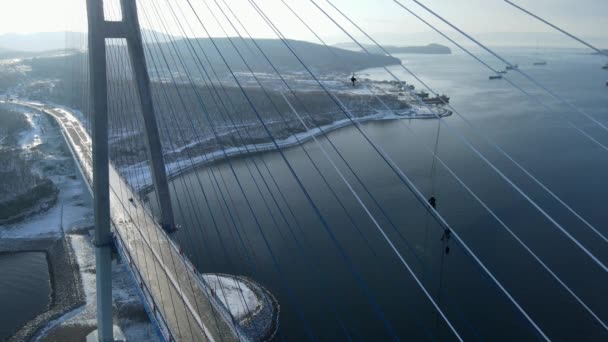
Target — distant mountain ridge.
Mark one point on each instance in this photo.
(37, 42)
(45, 41)
(14, 54)
(431, 49)
(11, 54)
(318, 57)
(162, 59)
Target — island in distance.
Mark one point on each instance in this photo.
(430, 49)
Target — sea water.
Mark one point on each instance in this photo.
(339, 278)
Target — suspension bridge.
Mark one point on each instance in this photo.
(192, 119)
(159, 267)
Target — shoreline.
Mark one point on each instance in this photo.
(176, 168)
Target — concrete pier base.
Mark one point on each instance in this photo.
(118, 335)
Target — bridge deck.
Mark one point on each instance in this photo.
(182, 304)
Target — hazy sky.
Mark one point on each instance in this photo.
(380, 17)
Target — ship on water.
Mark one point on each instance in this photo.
(423, 94)
(441, 99)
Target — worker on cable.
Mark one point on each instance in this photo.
(353, 79)
(433, 202)
(446, 239)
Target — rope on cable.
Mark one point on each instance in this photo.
(445, 244)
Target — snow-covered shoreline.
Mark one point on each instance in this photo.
(139, 175)
(140, 178)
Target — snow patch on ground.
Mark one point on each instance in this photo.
(73, 203)
(238, 298)
(31, 138)
(70, 211)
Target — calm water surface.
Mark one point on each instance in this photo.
(24, 289)
(341, 280)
